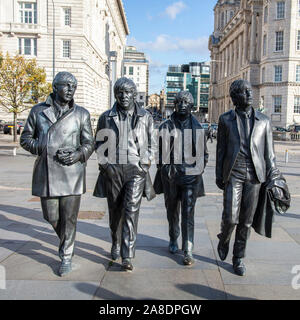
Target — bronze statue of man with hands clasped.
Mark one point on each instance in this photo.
(59, 133)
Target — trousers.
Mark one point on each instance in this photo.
(180, 196)
(124, 195)
(62, 213)
(240, 202)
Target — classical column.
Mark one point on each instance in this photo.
(253, 37)
(240, 51)
(245, 58)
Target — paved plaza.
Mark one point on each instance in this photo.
(28, 245)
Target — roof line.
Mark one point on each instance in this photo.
(123, 15)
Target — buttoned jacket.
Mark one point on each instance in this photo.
(229, 144)
(43, 135)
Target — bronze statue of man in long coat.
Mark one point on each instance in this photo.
(59, 133)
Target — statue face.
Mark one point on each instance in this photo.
(183, 106)
(65, 90)
(125, 98)
(243, 98)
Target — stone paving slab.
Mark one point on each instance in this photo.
(45, 267)
(261, 292)
(48, 290)
(161, 284)
(259, 272)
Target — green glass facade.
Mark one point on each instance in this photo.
(195, 78)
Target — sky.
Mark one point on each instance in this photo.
(169, 32)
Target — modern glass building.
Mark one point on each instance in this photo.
(193, 77)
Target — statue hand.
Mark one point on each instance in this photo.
(109, 172)
(220, 184)
(70, 158)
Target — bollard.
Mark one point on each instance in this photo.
(14, 151)
(286, 156)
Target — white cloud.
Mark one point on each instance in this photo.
(157, 67)
(166, 43)
(174, 9)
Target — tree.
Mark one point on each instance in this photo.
(22, 84)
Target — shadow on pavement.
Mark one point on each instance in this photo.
(209, 293)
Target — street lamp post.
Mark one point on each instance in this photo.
(53, 53)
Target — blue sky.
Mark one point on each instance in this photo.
(169, 32)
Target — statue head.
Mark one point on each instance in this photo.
(64, 86)
(241, 94)
(184, 103)
(125, 93)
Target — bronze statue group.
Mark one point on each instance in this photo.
(59, 133)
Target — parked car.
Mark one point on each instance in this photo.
(294, 128)
(9, 126)
(2, 122)
(281, 129)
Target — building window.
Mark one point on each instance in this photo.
(279, 41)
(298, 8)
(280, 10)
(263, 72)
(277, 73)
(67, 16)
(130, 71)
(266, 10)
(297, 104)
(298, 40)
(28, 12)
(66, 48)
(277, 104)
(298, 73)
(28, 46)
(264, 45)
(124, 70)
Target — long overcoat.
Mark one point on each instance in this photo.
(43, 135)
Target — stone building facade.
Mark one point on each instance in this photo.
(257, 40)
(136, 68)
(87, 33)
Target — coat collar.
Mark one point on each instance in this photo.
(257, 114)
(49, 112)
(140, 112)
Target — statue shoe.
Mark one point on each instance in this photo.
(238, 266)
(223, 249)
(115, 252)
(127, 265)
(188, 258)
(173, 246)
(65, 267)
